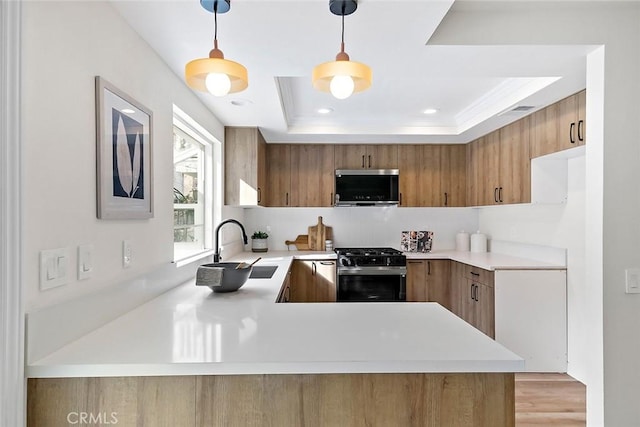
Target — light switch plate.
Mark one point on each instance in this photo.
(632, 282)
(85, 261)
(54, 268)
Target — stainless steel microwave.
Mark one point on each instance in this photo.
(367, 187)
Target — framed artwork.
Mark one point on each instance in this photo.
(123, 148)
(416, 241)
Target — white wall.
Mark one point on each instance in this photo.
(560, 226)
(612, 200)
(66, 44)
(363, 226)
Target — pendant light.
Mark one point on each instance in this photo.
(342, 77)
(215, 74)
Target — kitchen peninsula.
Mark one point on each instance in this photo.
(192, 357)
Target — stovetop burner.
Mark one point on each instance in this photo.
(358, 257)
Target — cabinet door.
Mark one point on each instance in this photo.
(582, 117)
(429, 176)
(408, 157)
(438, 282)
(515, 163)
(489, 173)
(453, 167)
(324, 281)
(245, 166)
(312, 175)
(544, 131)
(382, 157)
(417, 280)
(568, 122)
(350, 157)
(474, 178)
(484, 312)
(279, 178)
(458, 288)
(301, 286)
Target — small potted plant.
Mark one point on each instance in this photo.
(259, 242)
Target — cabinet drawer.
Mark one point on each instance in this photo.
(479, 275)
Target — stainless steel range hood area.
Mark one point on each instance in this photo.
(367, 187)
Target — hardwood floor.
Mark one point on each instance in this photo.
(549, 399)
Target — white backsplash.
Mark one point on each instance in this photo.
(363, 226)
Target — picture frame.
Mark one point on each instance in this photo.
(416, 241)
(124, 167)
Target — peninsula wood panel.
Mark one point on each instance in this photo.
(122, 401)
(278, 191)
(357, 400)
(312, 175)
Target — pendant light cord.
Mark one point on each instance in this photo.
(215, 22)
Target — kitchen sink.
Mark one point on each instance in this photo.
(263, 271)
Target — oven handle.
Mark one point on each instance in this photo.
(372, 271)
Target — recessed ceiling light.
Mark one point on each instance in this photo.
(128, 110)
(325, 110)
(430, 111)
(240, 102)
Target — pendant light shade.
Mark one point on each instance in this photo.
(342, 77)
(215, 74)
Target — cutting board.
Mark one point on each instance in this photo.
(318, 234)
(301, 242)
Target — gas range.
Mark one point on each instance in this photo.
(371, 275)
(370, 257)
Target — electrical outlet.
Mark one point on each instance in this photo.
(126, 253)
(53, 268)
(632, 282)
(85, 261)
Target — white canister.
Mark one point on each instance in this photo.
(462, 241)
(478, 242)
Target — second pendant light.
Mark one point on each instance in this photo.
(342, 77)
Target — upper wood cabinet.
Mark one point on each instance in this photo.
(559, 126)
(366, 157)
(312, 175)
(245, 160)
(432, 175)
(278, 189)
(499, 166)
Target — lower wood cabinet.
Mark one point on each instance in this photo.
(428, 281)
(285, 291)
(472, 296)
(313, 281)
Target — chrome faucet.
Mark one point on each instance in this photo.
(216, 255)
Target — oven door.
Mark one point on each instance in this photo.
(372, 284)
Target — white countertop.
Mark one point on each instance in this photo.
(487, 260)
(192, 331)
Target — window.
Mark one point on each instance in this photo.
(192, 187)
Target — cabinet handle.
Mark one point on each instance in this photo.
(400, 199)
(286, 197)
(314, 268)
(333, 201)
(414, 262)
(428, 268)
(369, 161)
(326, 262)
(476, 297)
(259, 195)
(495, 194)
(363, 161)
(580, 126)
(475, 274)
(571, 129)
(446, 198)
(472, 289)
(500, 195)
